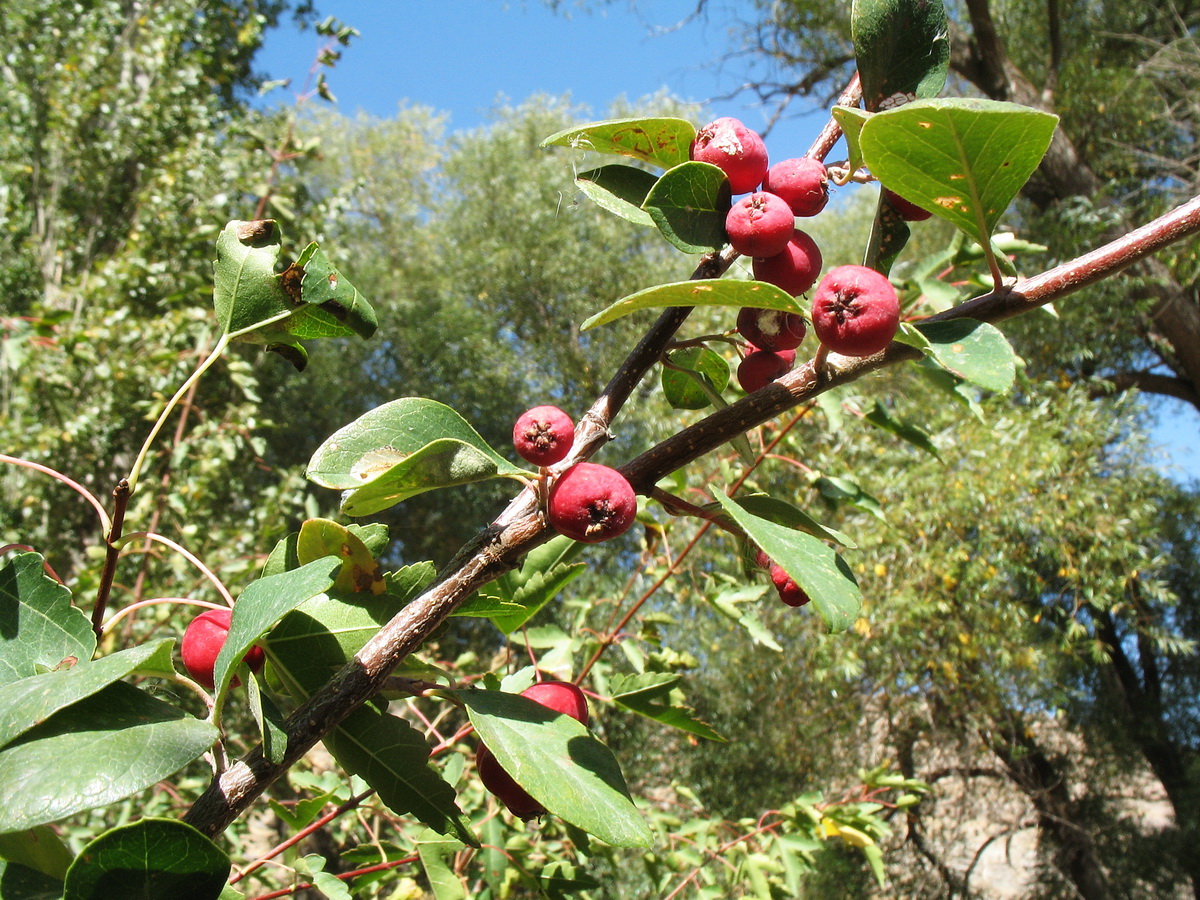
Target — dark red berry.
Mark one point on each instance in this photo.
(202, 643)
(762, 367)
(855, 311)
(543, 435)
(737, 150)
(771, 329)
(505, 788)
(908, 210)
(789, 592)
(760, 225)
(794, 270)
(803, 183)
(560, 696)
(591, 503)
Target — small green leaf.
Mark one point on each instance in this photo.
(688, 204)
(852, 121)
(270, 720)
(332, 300)
(902, 48)
(95, 752)
(836, 490)
(819, 572)
(538, 589)
(40, 849)
(247, 292)
(27, 703)
(150, 858)
(684, 390)
(558, 761)
(723, 292)
(963, 160)
(39, 628)
(664, 142)
(619, 189)
(737, 605)
(974, 351)
(324, 537)
(881, 417)
(649, 695)
(437, 855)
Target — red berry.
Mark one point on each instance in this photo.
(855, 311)
(543, 435)
(560, 696)
(202, 643)
(794, 270)
(507, 791)
(739, 152)
(803, 184)
(762, 367)
(591, 503)
(908, 210)
(762, 560)
(760, 225)
(771, 329)
(789, 592)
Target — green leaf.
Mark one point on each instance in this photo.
(957, 389)
(688, 204)
(836, 490)
(334, 304)
(324, 537)
(247, 292)
(819, 572)
(974, 351)
(39, 628)
(40, 849)
(437, 855)
(620, 190)
(27, 703)
(852, 121)
(270, 720)
(881, 417)
(729, 603)
(558, 761)
(393, 758)
(664, 142)
(18, 882)
(783, 513)
(509, 614)
(683, 390)
(401, 449)
(150, 858)
(723, 292)
(902, 48)
(261, 605)
(95, 752)
(649, 695)
(964, 160)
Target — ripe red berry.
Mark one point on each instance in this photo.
(739, 152)
(560, 696)
(771, 329)
(507, 791)
(591, 503)
(908, 210)
(855, 311)
(794, 270)
(789, 592)
(760, 225)
(202, 643)
(803, 183)
(762, 367)
(543, 435)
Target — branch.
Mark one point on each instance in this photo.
(1151, 383)
(521, 527)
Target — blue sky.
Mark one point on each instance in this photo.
(462, 57)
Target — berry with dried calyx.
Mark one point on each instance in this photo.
(202, 642)
(735, 149)
(803, 183)
(794, 270)
(771, 329)
(591, 503)
(855, 311)
(760, 224)
(543, 435)
(908, 210)
(762, 367)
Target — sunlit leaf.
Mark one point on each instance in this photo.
(665, 141)
(39, 628)
(722, 292)
(688, 204)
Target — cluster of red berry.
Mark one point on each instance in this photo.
(855, 310)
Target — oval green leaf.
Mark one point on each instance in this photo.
(39, 628)
(902, 48)
(683, 390)
(963, 160)
(558, 761)
(975, 351)
(150, 858)
(619, 189)
(688, 204)
(820, 572)
(723, 292)
(664, 142)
